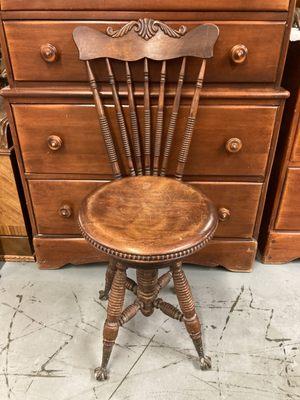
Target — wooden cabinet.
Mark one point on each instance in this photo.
(280, 233)
(61, 152)
(14, 241)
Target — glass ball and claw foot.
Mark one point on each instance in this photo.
(147, 290)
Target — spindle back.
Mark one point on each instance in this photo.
(154, 40)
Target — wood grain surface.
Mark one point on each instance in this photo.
(116, 5)
(85, 154)
(11, 215)
(28, 36)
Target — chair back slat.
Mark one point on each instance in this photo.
(147, 39)
(187, 137)
(159, 119)
(134, 122)
(120, 119)
(173, 118)
(147, 120)
(108, 139)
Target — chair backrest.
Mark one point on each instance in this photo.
(154, 40)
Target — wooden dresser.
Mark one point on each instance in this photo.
(60, 150)
(280, 234)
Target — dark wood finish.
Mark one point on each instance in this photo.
(85, 154)
(191, 319)
(261, 65)
(72, 93)
(133, 42)
(50, 195)
(157, 228)
(279, 241)
(68, 93)
(173, 119)
(115, 5)
(281, 247)
(107, 136)
(160, 119)
(145, 38)
(14, 241)
(147, 121)
(288, 217)
(235, 255)
(54, 252)
(190, 126)
(114, 313)
(239, 201)
(296, 150)
(109, 277)
(136, 138)
(121, 120)
(15, 248)
(146, 222)
(11, 215)
(232, 147)
(62, 15)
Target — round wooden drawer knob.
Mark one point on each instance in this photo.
(234, 145)
(54, 142)
(224, 214)
(65, 211)
(49, 53)
(239, 54)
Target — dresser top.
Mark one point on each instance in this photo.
(147, 5)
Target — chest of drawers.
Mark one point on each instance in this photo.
(60, 150)
(280, 233)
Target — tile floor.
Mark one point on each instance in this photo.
(51, 325)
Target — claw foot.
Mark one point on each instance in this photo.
(205, 363)
(103, 295)
(101, 374)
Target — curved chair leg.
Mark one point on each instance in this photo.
(111, 326)
(187, 306)
(109, 276)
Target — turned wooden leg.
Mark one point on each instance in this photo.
(190, 317)
(114, 312)
(147, 289)
(109, 276)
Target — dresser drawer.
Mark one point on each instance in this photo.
(56, 205)
(82, 150)
(135, 5)
(289, 211)
(262, 40)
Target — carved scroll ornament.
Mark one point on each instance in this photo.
(147, 28)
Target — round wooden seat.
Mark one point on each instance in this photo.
(147, 218)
